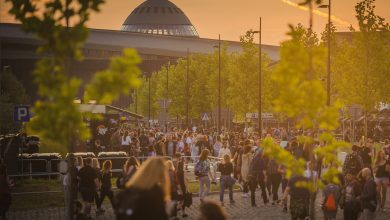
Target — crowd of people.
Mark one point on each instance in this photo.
(162, 181)
(155, 176)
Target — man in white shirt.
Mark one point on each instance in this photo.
(224, 150)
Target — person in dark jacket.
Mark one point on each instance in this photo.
(144, 144)
(369, 195)
(106, 188)
(350, 197)
(88, 185)
(353, 162)
(257, 176)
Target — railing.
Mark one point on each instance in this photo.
(190, 162)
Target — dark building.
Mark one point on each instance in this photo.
(157, 29)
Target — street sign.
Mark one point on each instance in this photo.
(251, 115)
(21, 113)
(265, 115)
(205, 117)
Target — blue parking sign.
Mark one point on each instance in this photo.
(21, 113)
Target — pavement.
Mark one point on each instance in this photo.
(239, 211)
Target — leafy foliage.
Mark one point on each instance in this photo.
(12, 93)
(57, 118)
(301, 96)
(361, 64)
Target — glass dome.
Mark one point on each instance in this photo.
(160, 17)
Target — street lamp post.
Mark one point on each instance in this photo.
(259, 79)
(187, 88)
(219, 84)
(149, 97)
(329, 6)
(166, 100)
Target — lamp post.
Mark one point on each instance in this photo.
(219, 84)
(259, 79)
(187, 88)
(329, 6)
(148, 77)
(166, 100)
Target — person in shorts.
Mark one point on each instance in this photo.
(381, 169)
(88, 185)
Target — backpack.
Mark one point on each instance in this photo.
(330, 204)
(199, 170)
(353, 164)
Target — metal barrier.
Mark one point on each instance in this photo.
(190, 165)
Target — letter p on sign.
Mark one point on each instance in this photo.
(21, 114)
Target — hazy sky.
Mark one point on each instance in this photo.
(231, 18)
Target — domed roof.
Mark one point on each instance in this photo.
(159, 17)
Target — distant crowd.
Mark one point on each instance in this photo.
(160, 183)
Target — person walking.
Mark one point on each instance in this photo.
(174, 185)
(349, 200)
(203, 172)
(382, 173)
(353, 162)
(226, 179)
(245, 165)
(147, 194)
(88, 185)
(181, 177)
(96, 168)
(369, 195)
(144, 145)
(331, 196)
(367, 153)
(257, 177)
(299, 198)
(275, 177)
(224, 150)
(106, 188)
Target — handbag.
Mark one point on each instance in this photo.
(231, 181)
(187, 199)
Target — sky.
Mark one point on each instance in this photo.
(232, 18)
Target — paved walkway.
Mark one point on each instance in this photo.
(239, 211)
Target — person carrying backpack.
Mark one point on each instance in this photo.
(349, 200)
(331, 195)
(203, 172)
(353, 162)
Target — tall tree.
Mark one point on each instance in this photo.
(61, 27)
(362, 62)
(12, 93)
(301, 96)
(244, 81)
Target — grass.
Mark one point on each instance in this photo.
(56, 199)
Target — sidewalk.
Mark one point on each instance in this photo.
(239, 211)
